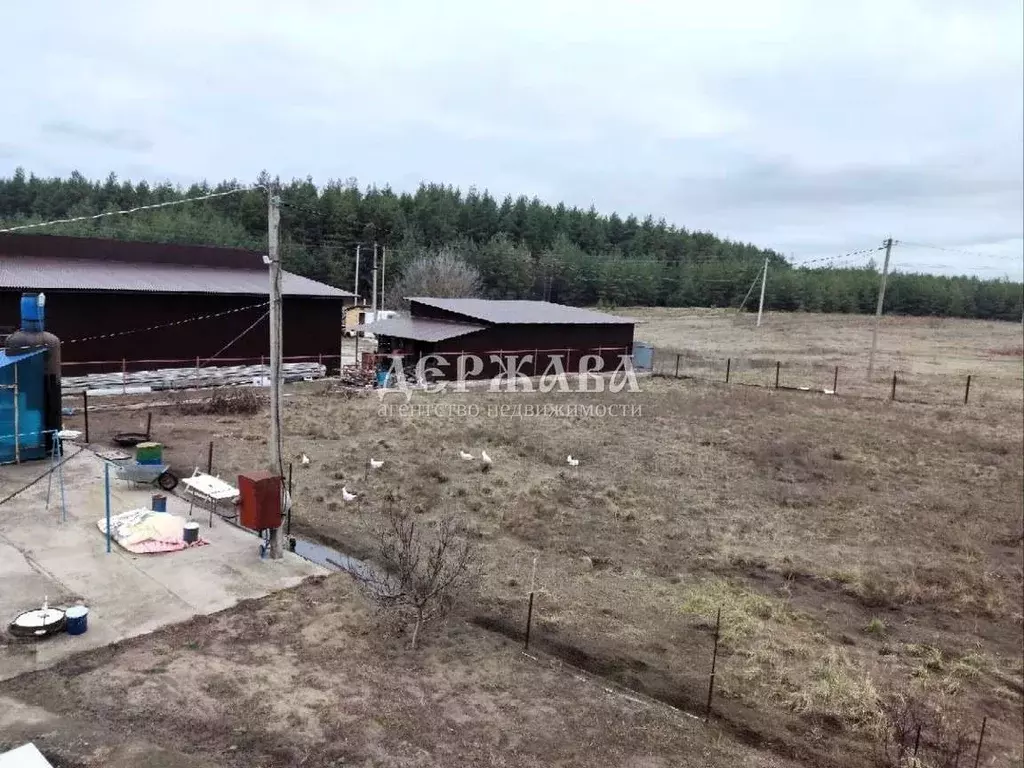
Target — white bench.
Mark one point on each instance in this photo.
(209, 490)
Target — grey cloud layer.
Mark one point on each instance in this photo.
(804, 126)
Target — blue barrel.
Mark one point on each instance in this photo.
(159, 503)
(77, 619)
(382, 379)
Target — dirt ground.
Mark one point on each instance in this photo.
(856, 548)
(301, 678)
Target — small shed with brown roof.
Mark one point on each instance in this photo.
(161, 305)
(494, 330)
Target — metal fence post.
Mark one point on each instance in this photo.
(835, 382)
(106, 493)
(981, 739)
(893, 395)
(677, 365)
(714, 661)
(728, 367)
(288, 523)
(85, 413)
(778, 367)
(967, 391)
(529, 621)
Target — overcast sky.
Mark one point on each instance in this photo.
(814, 128)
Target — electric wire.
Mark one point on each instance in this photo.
(137, 209)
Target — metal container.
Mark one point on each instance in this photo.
(191, 533)
(260, 500)
(643, 356)
(77, 620)
(159, 503)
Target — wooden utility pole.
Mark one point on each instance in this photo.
(274, 255)
(383, 264)
(878, 309)
(355, 289)
(374, 309)
(764, 282)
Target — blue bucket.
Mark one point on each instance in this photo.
(159, 502)
(77, 619)
(382, 379)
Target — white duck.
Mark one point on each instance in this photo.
(466, 456)
(304, 460)
(376, 463)
(572, 462)
(485, 458)
(347, 495)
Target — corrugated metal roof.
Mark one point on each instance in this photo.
(53, 273)
(9, 359)
(418, 328)
(519, 312)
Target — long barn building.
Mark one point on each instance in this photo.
(540, 330)
(161, 305)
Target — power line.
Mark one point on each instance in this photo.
(221, 350)
(961, 251)
(162, 325)
(150, 207)
(838, 256)
(850, 264)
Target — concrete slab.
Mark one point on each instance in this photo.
(42, 556)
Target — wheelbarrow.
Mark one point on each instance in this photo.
(145, 474)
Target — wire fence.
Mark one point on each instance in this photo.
(830, 378)
(907, 737)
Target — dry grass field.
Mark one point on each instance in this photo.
(932, 356)
(857, 548)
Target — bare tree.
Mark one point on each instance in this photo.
(443, 275)
(915, 732)
(423, 568)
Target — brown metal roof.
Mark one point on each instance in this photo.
(418, 328)
(521, 312)
(129, 251)
(54, 273)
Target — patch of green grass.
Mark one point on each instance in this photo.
(839, 688)
(875, 627)
(744, 612)
(842, 576)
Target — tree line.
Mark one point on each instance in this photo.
(521, 248)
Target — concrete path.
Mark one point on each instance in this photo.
(127, 595)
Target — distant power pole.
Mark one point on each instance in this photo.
(878, 309)
(274, 255)
(764, 282)
(355, 289)
(374, 302)
(383, 264)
